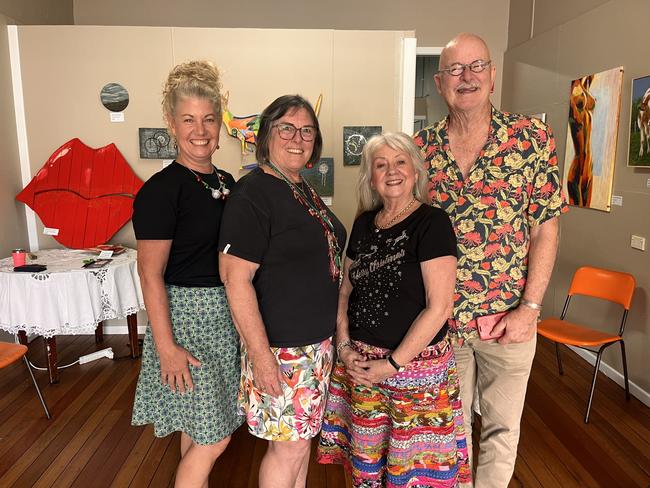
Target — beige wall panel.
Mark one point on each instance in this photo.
(12, 215)
(366, 69)
(38, 11)
(602, 38)
(552, 13)
(519, 21)
(65, 68)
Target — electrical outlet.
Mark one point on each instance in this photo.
(647, 183)
(638, 242)
(617, 200)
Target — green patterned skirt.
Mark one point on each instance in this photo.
(201, 324)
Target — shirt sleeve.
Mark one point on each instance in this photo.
(245, 229)
(154, 212)
(360, 223)
(547, 198)
(437, 238)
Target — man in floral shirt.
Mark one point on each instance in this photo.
(496, 175)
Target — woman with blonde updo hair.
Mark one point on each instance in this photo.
(190, 359)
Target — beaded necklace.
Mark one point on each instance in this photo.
(316, 209)
(221, 192)
(394, 219)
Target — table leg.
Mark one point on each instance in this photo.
(99, 333)
(22, 338)
(132, 322)
(50, 350)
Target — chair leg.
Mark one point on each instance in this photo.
(38, 390)
(559, 358)
(593, 382)
(627, 383)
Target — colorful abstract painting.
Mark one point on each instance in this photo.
(592, 132)
(639, 146)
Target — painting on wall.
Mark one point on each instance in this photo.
(639, 145)
(354, 138)
(590, 156)
(321, 176)
(156, 143)
(114, 97)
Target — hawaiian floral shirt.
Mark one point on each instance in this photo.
(514, 185)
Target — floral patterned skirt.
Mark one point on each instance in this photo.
(298, 413)
(406, 431)
(201, 323)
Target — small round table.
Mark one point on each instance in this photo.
(68, 298)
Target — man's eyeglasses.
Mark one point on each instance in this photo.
(457, 69)
(287, 131)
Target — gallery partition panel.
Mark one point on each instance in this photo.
(64, 68)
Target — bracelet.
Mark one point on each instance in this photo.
(340, 346)
(393, 363)
(529, 304)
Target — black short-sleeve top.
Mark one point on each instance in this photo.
(172, 204)
(265, 224)
(388, 290)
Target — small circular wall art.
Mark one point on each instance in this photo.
(114, 97)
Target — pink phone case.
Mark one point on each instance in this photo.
(486, 323)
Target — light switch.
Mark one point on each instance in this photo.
(638, 242)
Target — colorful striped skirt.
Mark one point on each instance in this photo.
(406, 431)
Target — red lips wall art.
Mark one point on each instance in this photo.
(86, 193)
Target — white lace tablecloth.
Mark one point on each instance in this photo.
(66, 298)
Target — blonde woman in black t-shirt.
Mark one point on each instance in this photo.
(190, 359)
(393, 415)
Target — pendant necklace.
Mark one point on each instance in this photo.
(221, 192)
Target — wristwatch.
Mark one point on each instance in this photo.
(394, 363)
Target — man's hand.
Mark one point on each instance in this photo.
(520, 326)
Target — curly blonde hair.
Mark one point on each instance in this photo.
(199, 79)
(369, 199)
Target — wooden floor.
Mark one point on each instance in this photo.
(90, 442)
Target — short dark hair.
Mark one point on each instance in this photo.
(276, 110)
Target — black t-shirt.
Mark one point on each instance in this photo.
(264, 223)
(388, 291)
(172, 204)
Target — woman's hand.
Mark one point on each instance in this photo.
(174, 369)
(373, 371)
(267, 375)
(352, 361)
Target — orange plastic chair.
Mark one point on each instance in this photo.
(613, 286)
(9, 354)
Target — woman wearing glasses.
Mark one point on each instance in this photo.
(280, 263)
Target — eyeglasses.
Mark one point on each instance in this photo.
(457, 69)
(287, 131)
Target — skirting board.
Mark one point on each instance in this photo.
(122, 329)
(607, 370)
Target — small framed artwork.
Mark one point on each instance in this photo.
(354, 139)
(321, 176)
(639, 146)
(156, 143)
(114, 97)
